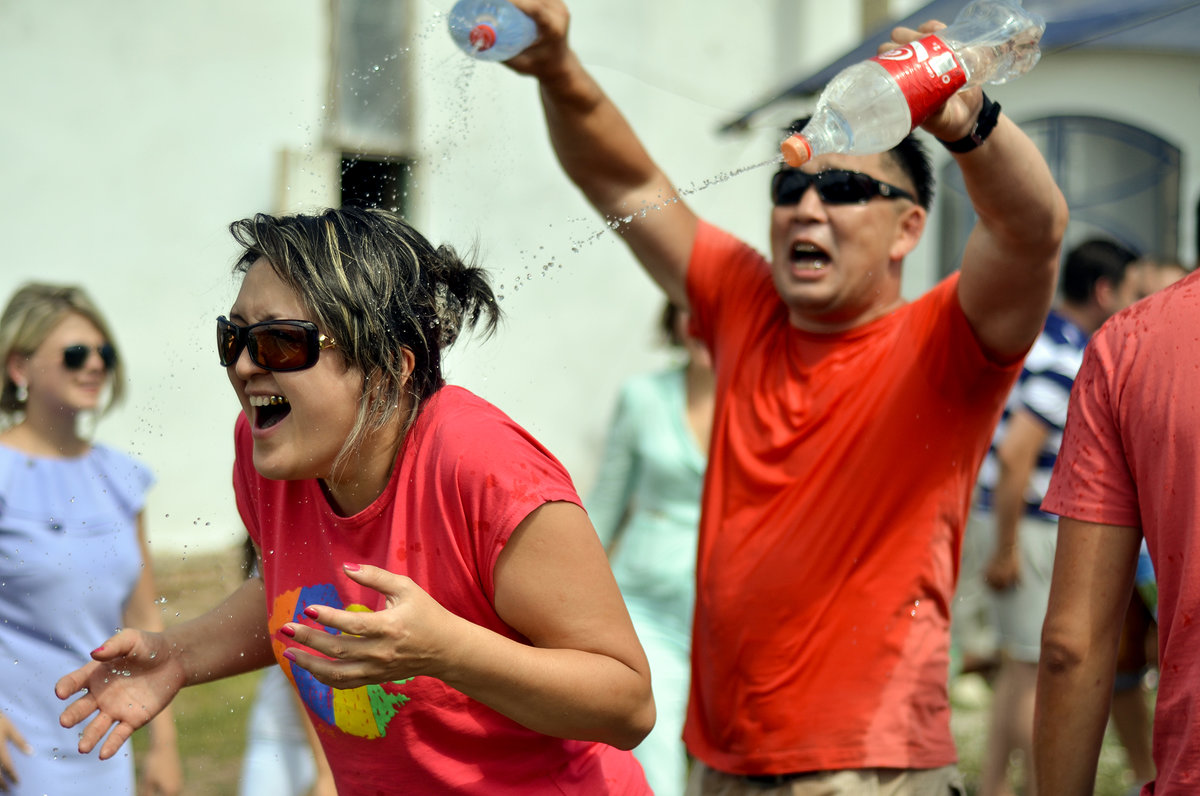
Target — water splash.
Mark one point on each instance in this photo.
(616, 224)
(725, 176)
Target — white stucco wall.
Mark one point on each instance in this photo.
(134, 132)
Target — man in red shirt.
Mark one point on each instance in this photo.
(1128, 468)
(849, 426)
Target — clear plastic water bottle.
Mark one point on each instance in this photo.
(869, 107)
(491, 30)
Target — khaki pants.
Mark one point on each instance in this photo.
(946, 781)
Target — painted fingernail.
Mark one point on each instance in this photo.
(98, 649)
(291, 656)
(288, 631)
(351, 567)
(310, 612)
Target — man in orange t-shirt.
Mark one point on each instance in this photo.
(848, 429)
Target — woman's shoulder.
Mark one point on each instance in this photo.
(666, 379)
(458, 425)
(121, 467)
(455, 409)
(653, 386)
(100, 457)
(10, 459)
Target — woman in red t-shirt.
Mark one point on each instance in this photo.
(430, 583)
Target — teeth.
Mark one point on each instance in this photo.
(267, 400)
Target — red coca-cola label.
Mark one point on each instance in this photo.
(928, 73)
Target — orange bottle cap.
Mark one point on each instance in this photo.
(796, 150)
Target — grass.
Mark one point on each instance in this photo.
(971, 704)
(211, 718)
(211, 721)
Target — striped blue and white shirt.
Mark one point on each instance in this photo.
(1044, 389)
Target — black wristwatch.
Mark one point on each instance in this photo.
(985, 122)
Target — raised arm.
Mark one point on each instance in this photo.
(602, 155)
(1010, 264)
(1093, 577)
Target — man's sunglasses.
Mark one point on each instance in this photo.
(835, 187)
(273, 345)
(76, 356)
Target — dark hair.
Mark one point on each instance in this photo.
(910, 155)
(376, 286)
(1091, 261)
(667, 325)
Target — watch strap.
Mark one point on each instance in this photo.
(985, 122)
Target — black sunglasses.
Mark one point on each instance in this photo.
(835, 187)
(76, 356)
(273, 345)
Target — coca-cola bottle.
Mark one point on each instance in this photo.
(869, 107)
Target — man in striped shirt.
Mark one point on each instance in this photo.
(1096, 283)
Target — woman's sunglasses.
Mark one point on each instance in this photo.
(273, 345)
(76, 356)
(835, 187)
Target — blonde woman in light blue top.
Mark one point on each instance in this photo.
(73, 556)
(645, 505)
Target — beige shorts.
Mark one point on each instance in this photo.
(972, 614)
(1021, 610)
(945, 781)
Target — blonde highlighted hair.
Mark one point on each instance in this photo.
(376, 286)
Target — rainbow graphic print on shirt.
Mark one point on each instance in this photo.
(363, 712)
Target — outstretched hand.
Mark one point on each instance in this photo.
(956, 118)
(413, 635)
(131, 677)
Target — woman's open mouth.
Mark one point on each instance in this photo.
(269, 409)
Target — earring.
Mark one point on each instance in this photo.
(22, 393)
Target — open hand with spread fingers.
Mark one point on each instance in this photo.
(131, 677)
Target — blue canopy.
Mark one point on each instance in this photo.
(1153, 25)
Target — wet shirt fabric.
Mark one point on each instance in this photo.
(840, 473)
(1131, 457)
(465, 478)
(69, 561)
